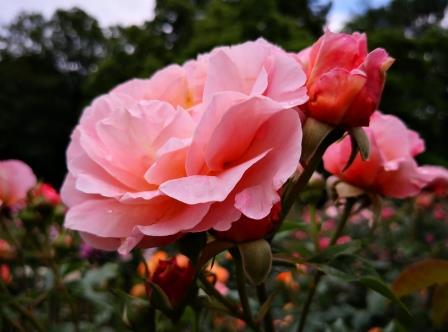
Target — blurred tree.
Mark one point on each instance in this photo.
(42, 68)
(51, 68)
(417, 86)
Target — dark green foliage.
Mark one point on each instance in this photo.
(51, 68)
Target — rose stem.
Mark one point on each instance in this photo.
(262, 297)
(242, 291)
(336, 235)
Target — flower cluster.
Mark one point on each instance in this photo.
(212, 143)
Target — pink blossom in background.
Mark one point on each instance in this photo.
(155, 159)
(47, 193)
(424, 200)
(388, 212)
(345, 82)
(440, 213)
(391, 169)
(16, 179)
(324, 241)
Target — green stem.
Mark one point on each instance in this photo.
(17, 247)
(308, 169)
(319, 274)
(197, 317)
(267, 319)
(242, 291)
(213, 292)
(151, 319)
(60, 284)
(26, 313)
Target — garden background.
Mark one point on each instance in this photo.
(50, 68)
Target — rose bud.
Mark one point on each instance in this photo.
(5, 274)
(46, 193)
(174, 277)
(246, 229)
(344, 81)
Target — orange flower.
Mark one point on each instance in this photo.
(138, 290)
(151, 263)
(287, 279)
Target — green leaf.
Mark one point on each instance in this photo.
(290, 225)
(421, 275)
(125, 297)
(394, 326)
(214, 305)
(362, 272)
(266, 306)
(286, 259)
(379, 286)
(159, 299)
(361, 140)
(335, 251)
(257, 260)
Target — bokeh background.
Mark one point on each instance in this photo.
(53, 62)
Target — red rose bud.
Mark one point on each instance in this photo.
(47, 193)
(344, 82)
(246, 229)
(174, 277)
(5, 274)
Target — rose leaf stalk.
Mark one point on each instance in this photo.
(319, 274)
(262, 298)
(213, 292)
(242, 291)
(317, 138)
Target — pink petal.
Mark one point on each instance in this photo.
(259, 188)
(102, 243)
(179, 218)
(196, 189)
(236, 130)
(109, 218)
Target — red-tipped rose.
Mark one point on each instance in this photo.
(174, 277)
(47, 193)
(246, 229)
(344, 81)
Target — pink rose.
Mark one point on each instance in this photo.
(345, 82)
(438, 179)
(149, 162)
(16, 179)
(391, 169)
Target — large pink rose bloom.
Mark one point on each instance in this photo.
(345, 82)
(16, 179)
(150, 161)
(391, 169)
